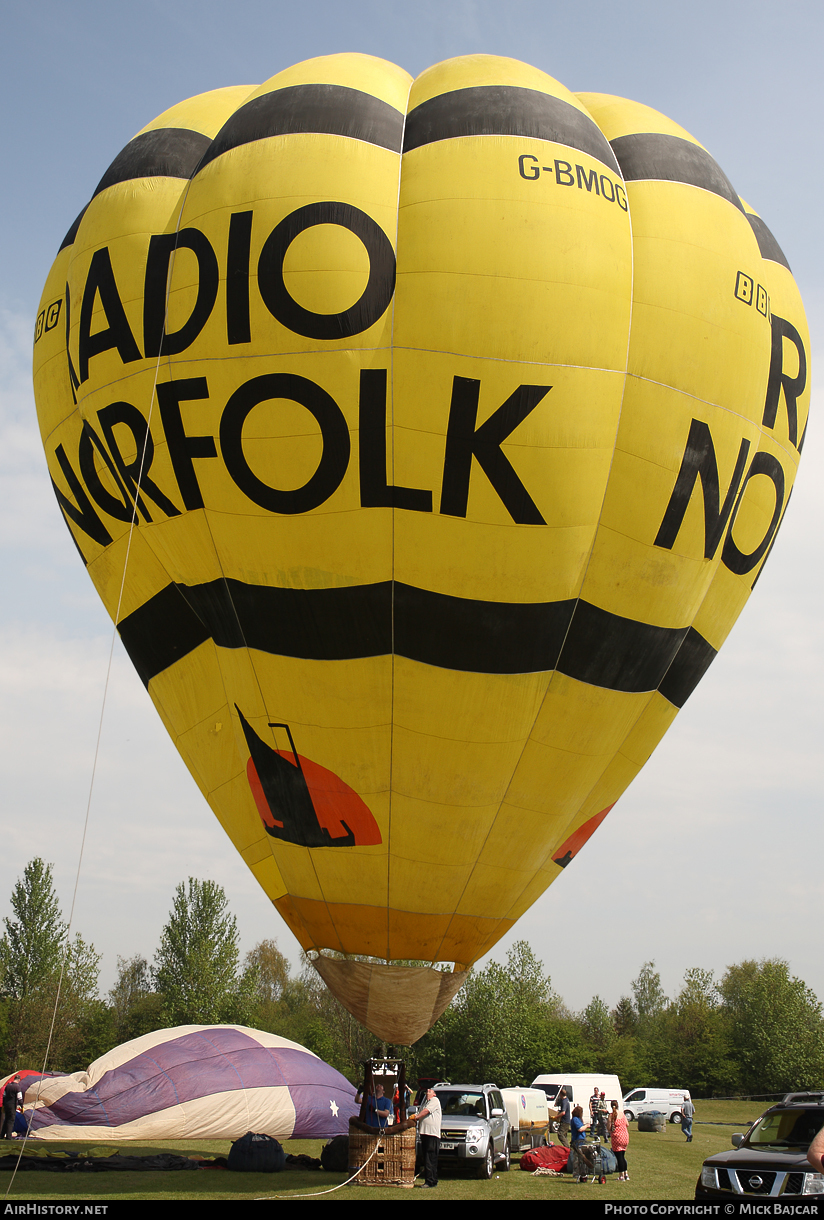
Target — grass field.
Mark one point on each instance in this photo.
(662, 1166)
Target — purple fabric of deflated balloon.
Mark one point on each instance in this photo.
(199, 1065)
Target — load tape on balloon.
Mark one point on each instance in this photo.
(457, 417)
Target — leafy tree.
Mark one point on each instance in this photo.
(696, 1032)
(136, 1008)
(271, 971)
(196, 965)
(33, 941)
(775, 1024)
(505, 1024)
(648, 992)
(30, 954)
(599, 1032)
(624, 1017)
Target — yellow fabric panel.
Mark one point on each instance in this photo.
(464, 775)
(363, 877)
(492, 888)
(145, 575)
(584, 719)
(561, 453)
(684, 295)
(418, 883)
(519, 834)
(210, 749)
(325, 261)
(494, 708)
(470, 71)
(615, 780)
(366, 73)
(192, 693)
(649, 728)
(205, 112)
(453, 241)
(265, 872)
(470, 937)
(418, 826)
(51, 384)
(421, 938)
(540, 881)
(618, 116)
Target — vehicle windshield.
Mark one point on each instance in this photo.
(785, 1129)
(462, 1105)
(551, 1090)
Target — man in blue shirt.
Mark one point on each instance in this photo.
(378, 1108)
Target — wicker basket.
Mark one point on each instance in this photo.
(393, 1163)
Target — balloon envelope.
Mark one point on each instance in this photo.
(457, 417)
(195, 1082)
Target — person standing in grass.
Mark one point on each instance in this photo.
(565, 1121)
(687, 1112)
(619, 1139)
(429, 1120)
(580, 1160)
(12, 1102)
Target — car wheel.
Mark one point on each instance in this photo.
(629, 1116)
(507, 1160)
(675, 1118)
(486, 1168)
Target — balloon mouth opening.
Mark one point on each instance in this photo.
(397, 1003)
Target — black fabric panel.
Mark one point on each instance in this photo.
(451, 632)
(321, 624)
(68, 240)
(767, 244)
(162, 631)
(479, 637)
(617, 653)
(168, 152)
(504, 110)
(672, 159)
(692, 661)
(328, 109)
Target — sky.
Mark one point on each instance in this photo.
(711, 857)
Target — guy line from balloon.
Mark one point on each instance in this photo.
(465, 439)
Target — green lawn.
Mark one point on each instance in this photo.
(661, 1167)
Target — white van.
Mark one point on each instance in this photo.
(579, 1088)
(665, 1101)
(528, 1113)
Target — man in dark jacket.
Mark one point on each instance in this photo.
(565, 1120)
(12, 1101)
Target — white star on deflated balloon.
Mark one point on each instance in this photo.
(333, 1107)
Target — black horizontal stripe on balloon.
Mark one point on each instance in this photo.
(167, 152)
(651, 155)
(333, 110)
(505, 110)
(454, 633)
(767, 244)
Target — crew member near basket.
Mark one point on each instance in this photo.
(429, 1127)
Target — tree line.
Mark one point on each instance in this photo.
(757, 1029)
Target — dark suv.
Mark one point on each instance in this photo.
(770, 1161)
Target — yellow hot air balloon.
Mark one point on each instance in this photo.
(457, 417)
